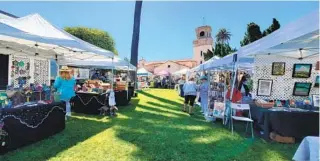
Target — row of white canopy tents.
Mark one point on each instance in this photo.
(299, 39)
(34, 36)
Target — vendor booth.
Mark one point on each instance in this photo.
(283, 68)
(30, 110)
(143, 78)
(92, 93)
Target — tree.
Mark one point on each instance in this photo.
(136, 33)
(273, 27)
(208, 55)
(223, 36)
(222, 50)
(253, 33)
(93, 36)
(135, 37)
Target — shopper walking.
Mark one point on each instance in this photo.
(190, 94)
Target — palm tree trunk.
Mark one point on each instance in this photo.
(135, 37)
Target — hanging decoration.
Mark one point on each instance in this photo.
(31, 117)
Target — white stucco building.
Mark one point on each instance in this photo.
(201, 45)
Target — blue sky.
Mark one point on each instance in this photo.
(167, 28)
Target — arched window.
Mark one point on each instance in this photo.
(201, 53)
(169, 66)
(201, 33)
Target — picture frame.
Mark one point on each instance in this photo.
(264, 87)
(278, 68)
(317, 81)
(315, 100)
(301, 88)
(302, 70)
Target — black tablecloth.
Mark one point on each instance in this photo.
(292, 124)
(26, 125)
(121, 98)
(131, 92)
(88, 103)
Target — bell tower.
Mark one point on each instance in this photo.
(202, 44)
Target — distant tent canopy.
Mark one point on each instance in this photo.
(143, 72)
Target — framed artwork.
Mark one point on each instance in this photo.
(219, 109)
(301, 89)
(278, 68)
(301, 70)
(264, 87)
(316, 83)
(315, 100)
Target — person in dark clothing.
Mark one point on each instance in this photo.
(243, 87)
(95, 76)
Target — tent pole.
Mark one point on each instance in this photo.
(112, 70)
(127, 82)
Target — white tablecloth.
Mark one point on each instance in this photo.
(308, 150)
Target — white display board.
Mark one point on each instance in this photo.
(35, 70)
(80, 73)
(282, 86)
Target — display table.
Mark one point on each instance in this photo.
(297, 124)
(90, 103)
(121, 98)
(28, 124)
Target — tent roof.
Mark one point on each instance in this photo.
(36, 32)
(298, 39)
(303, 33)
(142, 71)
(104, 63)
(182, 71)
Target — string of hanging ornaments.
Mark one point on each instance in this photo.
(94, 97)
(30, 125)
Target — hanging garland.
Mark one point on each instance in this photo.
(31, 120)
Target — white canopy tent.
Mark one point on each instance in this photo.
(104, 63)
(35, 36)
(143, 72)
(181, 72)
(298, 39)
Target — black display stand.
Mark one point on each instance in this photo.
(90, 103)
(25, 125)
(292, 124)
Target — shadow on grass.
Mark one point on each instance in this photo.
(77, 130)
(160, 99)
(161, 137)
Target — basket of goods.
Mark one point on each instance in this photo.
(105, 86)
(264, 104)
(120, 86)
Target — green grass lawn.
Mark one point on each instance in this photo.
(151, 128)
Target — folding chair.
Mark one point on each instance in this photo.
(243, 107)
